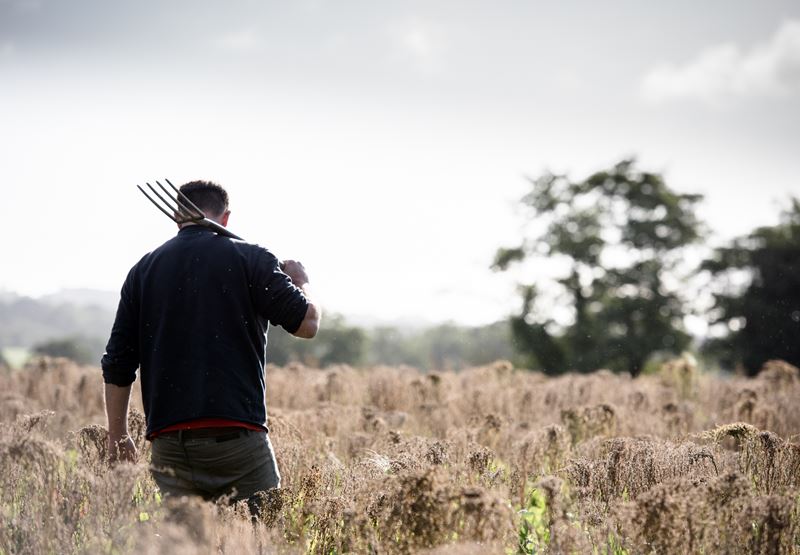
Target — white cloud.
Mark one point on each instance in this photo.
(419, 42)
(723, 72)
(241, 41)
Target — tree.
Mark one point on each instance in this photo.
(762, 314)
(336, 343)
(76, 348)
(388, 345)
(343, 344)
(619, 235)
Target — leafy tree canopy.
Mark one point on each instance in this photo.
(763, 316)
(619, 233)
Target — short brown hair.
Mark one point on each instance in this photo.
(207, 196)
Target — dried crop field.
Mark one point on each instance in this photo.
(391, 460)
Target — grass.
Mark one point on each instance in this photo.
(393, 460)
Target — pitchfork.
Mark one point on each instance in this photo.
(184, 210)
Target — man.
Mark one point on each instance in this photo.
(193, 316)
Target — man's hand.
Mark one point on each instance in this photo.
(121, 449)
(120, 444)
(295, 271)
(310, 324)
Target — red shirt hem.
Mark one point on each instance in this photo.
(207, 423)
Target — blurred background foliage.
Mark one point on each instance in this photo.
(620, 234)
(446, 346)
(762, 316)
(627, 248)
(80, 349)
(624, 239)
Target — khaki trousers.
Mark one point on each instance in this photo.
(235, 468)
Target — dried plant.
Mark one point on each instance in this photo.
(393, 460)
(682, 375)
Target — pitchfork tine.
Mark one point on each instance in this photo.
(175, 209)
(170, 216)
(183, 197)
(182, 208)
(162, 199)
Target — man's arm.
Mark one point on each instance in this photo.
(120, 444)
(310, 324)
(119, 364)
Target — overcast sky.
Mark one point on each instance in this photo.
(382, 143)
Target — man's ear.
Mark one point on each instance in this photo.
(224, 219)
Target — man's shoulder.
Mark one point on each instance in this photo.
(252, 252)
(150, 257)
(253, 249)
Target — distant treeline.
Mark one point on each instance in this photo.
(447, 346)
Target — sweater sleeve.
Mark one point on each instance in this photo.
(121, 358)
(276, 298)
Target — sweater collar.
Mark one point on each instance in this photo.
(195, 228)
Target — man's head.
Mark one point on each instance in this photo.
(209, 197)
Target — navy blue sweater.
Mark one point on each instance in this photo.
(193, 317)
